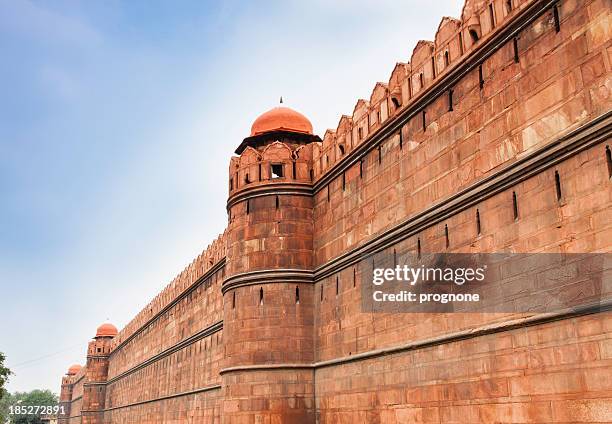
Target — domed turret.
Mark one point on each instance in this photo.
(106, 330)
(281, 119)
(279, 123)
(74, 369)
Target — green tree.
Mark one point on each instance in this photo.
(4, 374)
(33, 398)
(4, 396)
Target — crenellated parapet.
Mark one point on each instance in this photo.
(454, 40)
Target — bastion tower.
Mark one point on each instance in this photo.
(268, 286)
(94, 389)
(65, 398)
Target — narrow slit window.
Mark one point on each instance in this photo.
(480, 77)
(276, 202)
(508, 6)
(446, 58)
(401, 139)
(379, 154)
(361, 168)
(378, 117)
(321, 292)
(248, 206)
(421, 82)
(260, 177)
(394, 258)
(450, 100)
(360, 133)
(609, 161)
(478, 227)
(341, 149)
(261, 297)
(234, 299)
(337, 285)
(433, 66)
(556, 18)
(328, 194)
(246, 178)
(293, 170)
(492, 15)
(419, 248)
(424, 121)
(297, 295)
(312, 175)
(461, 43)
(515, 206)
(558, 185)
(354, 277)
(343, 181)
(516, 51)
(446, 235)
(231, 184)
(410, 87)
(277, 170)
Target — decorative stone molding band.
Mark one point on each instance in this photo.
(216, 267)
(588, 135)
(267, 276)
(270, 367)
(470, 63)
(292, 188)
(142, 402)
(497, 327)
(208, 331)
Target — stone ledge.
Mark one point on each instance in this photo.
(267, 276)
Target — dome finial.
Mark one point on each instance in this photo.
(281, 100)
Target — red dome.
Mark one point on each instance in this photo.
(281, 119)
(74, 369)
(106, 330)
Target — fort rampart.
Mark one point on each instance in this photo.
(493, 137)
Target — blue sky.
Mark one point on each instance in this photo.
(117, 122)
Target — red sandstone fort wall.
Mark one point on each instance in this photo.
(221, 341)
(481, 136)
(560, 81)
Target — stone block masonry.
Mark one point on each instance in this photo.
(493, 137)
